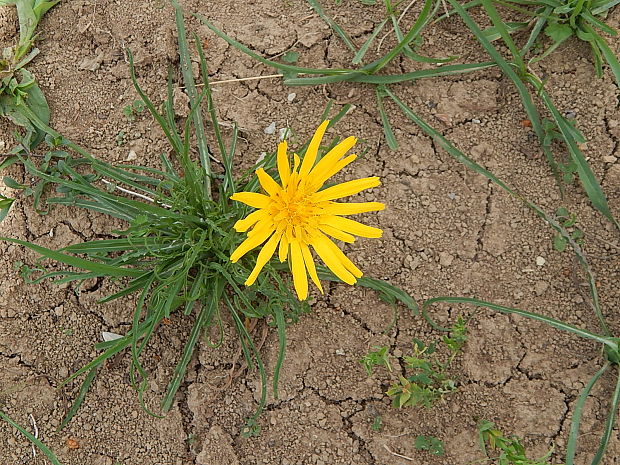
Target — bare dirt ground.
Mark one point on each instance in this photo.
(447, 232)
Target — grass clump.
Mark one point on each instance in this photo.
(175, 253)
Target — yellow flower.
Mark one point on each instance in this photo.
(296, 214)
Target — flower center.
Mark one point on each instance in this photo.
(294, 212)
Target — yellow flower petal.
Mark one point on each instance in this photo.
(283, 249)
(250, 243)
(337, 233)
(250, 220)
(309, 261)
(319, 180)
(284, 169)
(313, 149)
(346, 189)
(332, 157)
(351, 226)
(267, 182)
(352, 208)
(263, 257)
(300, 279)
(253, 199)
(322, 246)
(348, 264)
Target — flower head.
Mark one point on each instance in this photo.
(296, 214)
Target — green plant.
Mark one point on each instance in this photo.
(567, 220)
(430, 444)
(429, 380)
(18, 88)
(133, 109)
(510, 451)
(377, 357)
(376, 424)
(560, 20)
(34, 440)
(174, 254)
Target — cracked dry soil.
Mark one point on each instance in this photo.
(447, 232)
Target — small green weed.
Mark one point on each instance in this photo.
(510, 451)
(132, 110)
(430, 379)
(121, 138)
(429, 443)
(567, 220)
(18, 88)
(376, 424)
(377, 357)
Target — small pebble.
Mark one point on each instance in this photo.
(540, 261)
(609, 159)
(290, 97)
(271, 129)
(132, 155)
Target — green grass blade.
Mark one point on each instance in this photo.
(609, 424)
(170, 133)
(420, 23)
(609, 55)
(99, 268)
(80, 397)
(331, 23)
(210, 104)
(387, 127)
(359, 56)
(586, 176)
(257, 57)
(204, 317)
(604, 6)
(599, 24)
(501, 28)
(524, 93)
(246, 340)
(315, 81)
(281, 325)
(190, 89)
(387, 292)
(540, 23)
(42, 447)
(533, 316)
(447, 70)
(573, 435)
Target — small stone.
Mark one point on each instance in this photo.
(131, 156)
(540, 261)
(340, 352)
(541, 287)
(445, 259)
(290, 97)
(609, 159)
(271, 129)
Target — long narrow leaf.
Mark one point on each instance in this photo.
(42, 447)
(533, 316)
(99, 268)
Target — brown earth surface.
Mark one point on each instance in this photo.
(447, 231)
